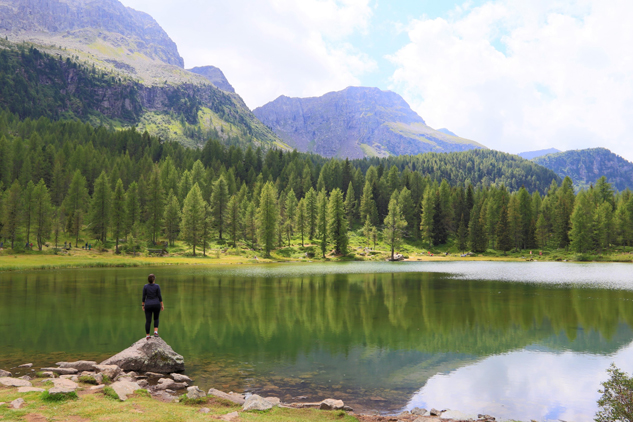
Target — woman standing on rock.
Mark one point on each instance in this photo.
(152, 304)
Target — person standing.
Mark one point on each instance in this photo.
(152, 304)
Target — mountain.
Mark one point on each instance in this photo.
(530, 155)
(446, 131)
(215, 76)
(107, 64)
(354, 123)
(586, 166)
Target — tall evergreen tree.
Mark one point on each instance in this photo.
(368, 229)
(428, 215)
(172, 218)
(301, 219)
(234, 219)
(350, 204)
(219, 201)
(75, 204)
(504, 241)
(267, 217)
(193, 216)
(119, 216)
(394, 225)
(322, 220)
(462, 235)
(250, 222)
(368, 204)
(290, 214)
(28, 208)
(12, 212)
(581, 234)
(42, 213)
(132, 208)
(155, 205)
(515, 223)
(337, 222)
(311, 212)
(101, 207)
(405, 201)
(603, 225)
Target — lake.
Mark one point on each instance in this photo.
(513, 340)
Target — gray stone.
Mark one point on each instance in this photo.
(331, 404)
(80, 365)
(15, 382)
(124, 389)
(164, 384)
(131, 374)
(232, 397)
(97, 387)
(273, 400)
(26, 365)
(48, 374)
(456, 415)
(153, 375)
(181, 378)
(256, 402)
(204, 410)
(25, 378)
(142, 383)
(435, 412)
(230, 416)
(17, 403)
(30, 390)
(148, 355)
(61, 390)
(61, 371)
(417, 411)
(111, 371)
(195, 393)
(4, 374)
(65, 383)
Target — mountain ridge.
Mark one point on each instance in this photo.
(530, 155)
(354, 123)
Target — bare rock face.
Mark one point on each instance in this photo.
(215, 76)
(148, 355)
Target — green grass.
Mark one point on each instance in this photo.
(110, 393)
(60, 397)
(87, 379)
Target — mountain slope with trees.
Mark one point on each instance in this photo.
(354, 123)
(586, 166)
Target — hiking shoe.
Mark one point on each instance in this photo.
(156, 335)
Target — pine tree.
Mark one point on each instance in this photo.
(428, 215)
(290, 214)
(603, 225)
(542, 231)
(193, 216)
(394, 225)
(462, 235)
(219, 201)
(250, 222)
(28, 207)
(132, 208)
(515, 223)
(368, 204)
(75, 204)
(101, 207)
(301, 219)
(322, 220)
(350, 204)
(207, 226)
(155, 205)
(504, 241)
(12, 212)
(563, 211)
(405, 201)
(581, 234)
(368, 228)
(42, 213)
(172, 218)
(234, 219)
(267, 217)
(119, 216)
(337, 222)
(527, 224)
(311, 212)
(477, 240)
(184, 186)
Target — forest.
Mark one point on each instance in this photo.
(127, 191)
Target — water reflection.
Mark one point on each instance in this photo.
(375, 339)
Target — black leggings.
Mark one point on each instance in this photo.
(149, 310)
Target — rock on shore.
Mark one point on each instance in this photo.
(148, 355)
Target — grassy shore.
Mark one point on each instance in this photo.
(140, 407)
(221, 253)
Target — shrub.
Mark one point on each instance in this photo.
(110, 393)
(88, 379)
(616, 403)
(46, 396)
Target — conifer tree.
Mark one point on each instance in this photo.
(101, 207)
(394, 225)
(322, 220)
(42, 213)
(219, 201)
(603, 225)
(428, 215)
(198, 175)
(337, 222)
(542, 232)
(477, 239)
(75, 204)
(234, 219)
(118, 213)
(564, 209)
(368, 204)
(184, 186)
(290, 214)
(515, 223)
(367, 230)
(581, 234)
(193, 218)
(267, 217)
(172, 218)
(132, 208)
(311, 212)
(350, 204)
(527, 224)
(301, 219)
(462, 235)
(504, 241)
(405, 201)
(28, 208)
(155, 205)
(250, 222)
(12, 212)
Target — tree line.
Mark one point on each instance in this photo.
(67, 179)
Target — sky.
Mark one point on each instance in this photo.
(513, 75)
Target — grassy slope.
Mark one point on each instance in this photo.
(98, 407)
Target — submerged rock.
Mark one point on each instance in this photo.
(148, 355)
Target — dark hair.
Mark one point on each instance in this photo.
(151, 278)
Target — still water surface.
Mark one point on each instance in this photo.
(514, 340)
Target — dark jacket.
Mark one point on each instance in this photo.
(151, 295)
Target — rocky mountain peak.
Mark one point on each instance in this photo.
(215, 76)
(41, 19)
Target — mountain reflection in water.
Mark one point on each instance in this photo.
(376, 339)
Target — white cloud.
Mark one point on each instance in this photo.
(563, 79)
(267, 48)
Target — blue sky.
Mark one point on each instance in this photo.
(514, 75)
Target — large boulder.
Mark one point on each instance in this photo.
(194, 393)
(331, 404)
(256, 402)
(5, 373)
(232, 397)
(151, 354)
(61, 371)
(124, 389)
(14, 382)
(81, 365)
(111, 371)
